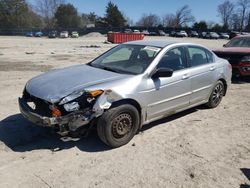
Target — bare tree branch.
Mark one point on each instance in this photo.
(184, 16)
(243, 8)
(225, 11)
(169, 20)
(149, 20)
(47, 9)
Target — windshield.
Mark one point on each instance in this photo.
(239, 42)
(127, 59)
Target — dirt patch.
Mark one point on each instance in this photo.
(61, 57)
(23, 66)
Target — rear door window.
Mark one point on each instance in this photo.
(199, 56)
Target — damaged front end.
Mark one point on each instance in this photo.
(75, 111)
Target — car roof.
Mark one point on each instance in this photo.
(156, 43)
(162, 43)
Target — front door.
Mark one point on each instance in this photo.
(165, 95)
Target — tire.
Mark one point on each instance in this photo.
(216, 95)
(118, 125)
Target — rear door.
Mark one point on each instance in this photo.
(202, 73)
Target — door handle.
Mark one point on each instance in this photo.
(185, 76)
(212, 68)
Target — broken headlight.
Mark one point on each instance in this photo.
(70, 107)
(75, 101)
(71, 97)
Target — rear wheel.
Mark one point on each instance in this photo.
(216, 95)
(118, 125)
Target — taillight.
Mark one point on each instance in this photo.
(244, 64)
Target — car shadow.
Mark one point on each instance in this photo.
(246, 172)
(172, 117)
(20, 135)
(244, 186)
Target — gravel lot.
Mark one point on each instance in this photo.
(196, 148)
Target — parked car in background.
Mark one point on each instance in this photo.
(74, 34)
(145, 32)
(245, 33)
(153, 33)
(193, 34)
(212, 35)
(133, 84)
(234, 34)
(38, 34)
(64, 34)
(161, 33)
(172, 34)
(224, 36)
(202, 34)
(136, 31)
(29, 34)
(181, 34)
(52, 34)
(237, 52)
(128, 31)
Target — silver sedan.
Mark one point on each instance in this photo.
(128, 86)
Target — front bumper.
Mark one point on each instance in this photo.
(73, 120)
(28, 113)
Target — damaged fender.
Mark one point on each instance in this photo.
(105, 101)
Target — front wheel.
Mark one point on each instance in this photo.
(216, 95)
(118, 125)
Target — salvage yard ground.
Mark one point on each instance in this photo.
(196, 148)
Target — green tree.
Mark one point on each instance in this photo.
(218, 28)
(202, 25)
(113, 16)
(67, 16)
(17, 14)
(88, 18)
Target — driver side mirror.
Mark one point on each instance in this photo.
(162, 72)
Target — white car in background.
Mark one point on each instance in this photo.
(64, 34)
(74, 34)
(181, 34)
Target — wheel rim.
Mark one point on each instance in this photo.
(217, 94)
(122, 125)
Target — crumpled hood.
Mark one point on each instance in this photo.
(54, 85)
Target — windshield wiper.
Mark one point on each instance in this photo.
(109, 69)
(103, 67)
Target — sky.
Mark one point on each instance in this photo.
(134, 9)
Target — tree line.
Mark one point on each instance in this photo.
(52, 14)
